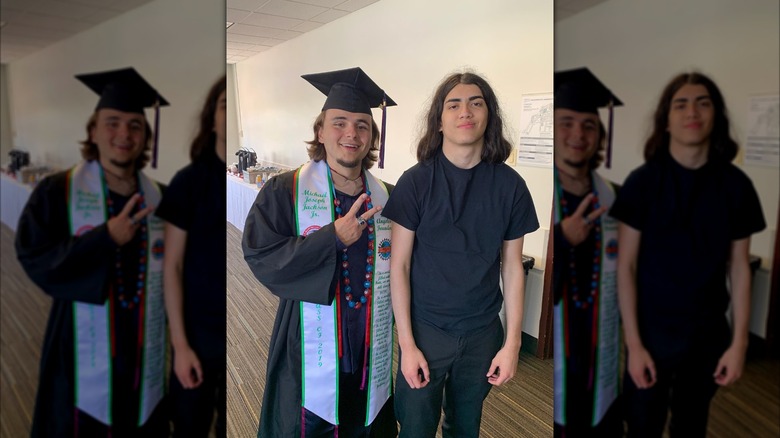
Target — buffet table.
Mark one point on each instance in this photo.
(240, 198)
(13, 195)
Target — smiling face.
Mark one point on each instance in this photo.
(120, 137)
(576, 137)
(691, 117)
(346, 137)
(464, 117)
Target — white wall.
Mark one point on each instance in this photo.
(635, 47)
(407, 47)
(5, 119)
(180, 54)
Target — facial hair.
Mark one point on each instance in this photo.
(122, 164)
(348, 164)
(577, 164)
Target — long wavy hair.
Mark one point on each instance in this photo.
(598, 156)
(89, 150)
(496, 147)
(206, 137)
(722, 146)
(317, 151)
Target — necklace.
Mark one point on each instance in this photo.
(345, 274)
(127, 301)
(584, 184)
(353, 181)
(580, 301)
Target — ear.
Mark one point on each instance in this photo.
(319, 135)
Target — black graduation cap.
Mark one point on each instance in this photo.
(352, 90)
(126, 90)
(580, 90)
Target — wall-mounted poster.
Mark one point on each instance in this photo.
(762, 147)
(536, 131)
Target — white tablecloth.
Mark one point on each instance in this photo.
(240, 197)
(13, 196)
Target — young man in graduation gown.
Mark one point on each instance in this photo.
(686, 216)
(314, 237)
(89, 239)
(459, 217)
(586, 317)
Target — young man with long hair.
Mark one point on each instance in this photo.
(686, 216)
(195, 282)
(459, 217)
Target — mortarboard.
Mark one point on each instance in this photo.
(579, 90)
(126, 90)
(352, 90)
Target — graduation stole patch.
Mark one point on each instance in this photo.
(313, 191)
(92, 322)
(605, 362)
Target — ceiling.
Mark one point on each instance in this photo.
(31, 25)
(253, 26)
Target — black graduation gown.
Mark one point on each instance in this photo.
(77, 269)
(295, 269)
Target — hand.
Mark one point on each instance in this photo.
(187, 368)
(123, 226)
(414, 367)
(641, 368)
(730, 366)
(350, 226)
(577, 226)
(503, 366)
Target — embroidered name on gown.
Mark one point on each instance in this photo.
(92, 323)
(313, 193)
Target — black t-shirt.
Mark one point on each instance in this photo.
(195, 203)
(461, 218)
(688, 219)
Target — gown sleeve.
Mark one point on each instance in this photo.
(292, 267)
(64, 266)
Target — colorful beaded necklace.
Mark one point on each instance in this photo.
(345, 280)
(586, 301)
(127, 301)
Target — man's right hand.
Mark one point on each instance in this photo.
(187, 367)
(577, 226)
(641, 368)
(414, 367)
(349, 227)
(123, 226)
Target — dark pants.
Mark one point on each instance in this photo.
(458, 383)
(193, 409)
(685, 385)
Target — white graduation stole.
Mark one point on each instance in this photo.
(91, 322)
(319, 336)
(608, 341)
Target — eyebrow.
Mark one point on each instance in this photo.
(344, 118)
(697, 98)
(457, 99)
(572, 118)
(117, 118)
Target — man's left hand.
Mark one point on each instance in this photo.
(730, 366)
(503, 366)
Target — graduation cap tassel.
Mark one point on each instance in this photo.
(609, 138)
(156, 133)
(382, 136)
